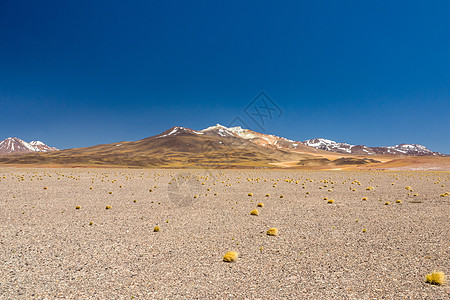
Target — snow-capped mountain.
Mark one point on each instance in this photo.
(177, 130)
(402, 149)
(238, 137)
(281, 143)
(16, 145)
(261, 139)
(329, 145)
(406, 149)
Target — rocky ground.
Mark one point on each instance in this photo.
(350, 249)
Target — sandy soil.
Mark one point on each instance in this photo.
(48, 249)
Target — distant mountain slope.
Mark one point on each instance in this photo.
(15, 145)
(402, 149)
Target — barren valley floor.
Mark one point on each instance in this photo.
(58, 239)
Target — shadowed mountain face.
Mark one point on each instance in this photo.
(176, 147)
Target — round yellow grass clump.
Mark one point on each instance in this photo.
(254, 212)
(445, 194)
(156, 229)
(370, 188)
(386, 203)
(331, 201)
(325, 198)
(230, 256)
(281, 196)
(45, 188)
(365, 198)
(77, 207)
(108, 207)
(267, 195)
(398, 201)
(250, 194)
(436, 277)
(260, 204)
(272, 231)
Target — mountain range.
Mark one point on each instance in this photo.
(214, 147)
(267, 140)
(402, 149)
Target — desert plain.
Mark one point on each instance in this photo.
(90, 233)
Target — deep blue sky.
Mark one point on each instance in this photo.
(80, 73)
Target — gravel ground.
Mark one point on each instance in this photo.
(48, 249)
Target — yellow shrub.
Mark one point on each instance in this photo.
(436, 278)
(272, 231)
(230, 256)
(254, 212)
(260, 204)
(156, 229)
